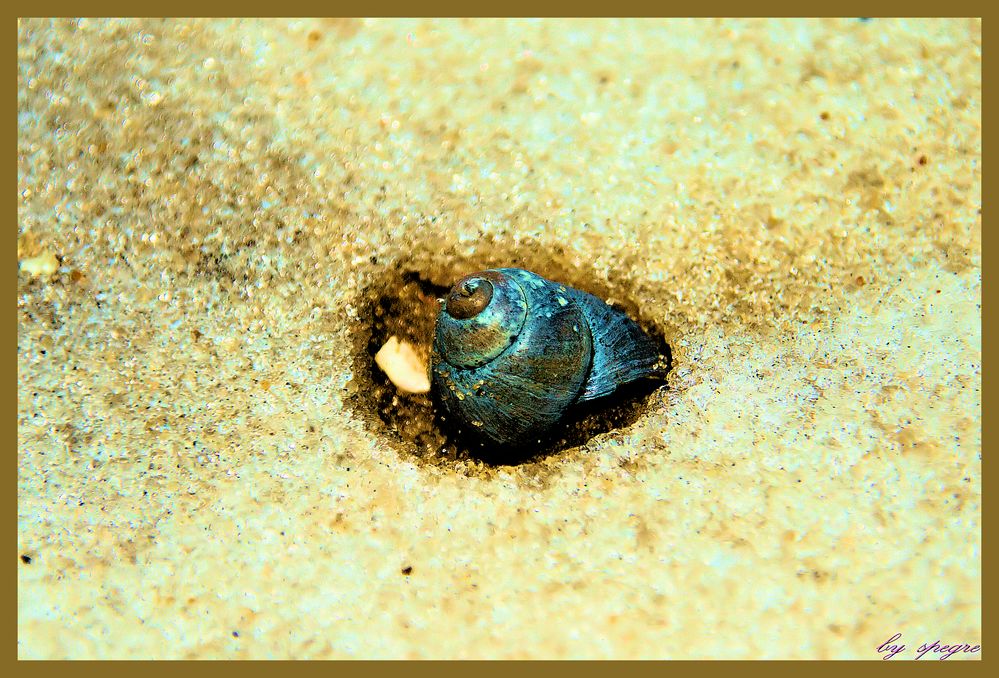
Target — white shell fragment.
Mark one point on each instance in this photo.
(399, 361)
(42, 265)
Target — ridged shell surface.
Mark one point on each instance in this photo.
(513, 352)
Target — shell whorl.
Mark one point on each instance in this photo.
(483, 314)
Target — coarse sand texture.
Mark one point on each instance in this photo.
(220, 223)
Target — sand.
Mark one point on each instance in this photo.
(219, 220)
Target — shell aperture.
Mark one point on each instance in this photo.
(513, 352)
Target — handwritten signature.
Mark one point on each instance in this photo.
(890, 648)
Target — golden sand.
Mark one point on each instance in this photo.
(208, 466)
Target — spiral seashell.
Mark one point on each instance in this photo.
(513, 352)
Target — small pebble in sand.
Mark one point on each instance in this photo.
(399, 361)
(44, 264)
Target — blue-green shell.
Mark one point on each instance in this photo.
(537, 348)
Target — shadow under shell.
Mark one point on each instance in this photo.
(582, 422)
